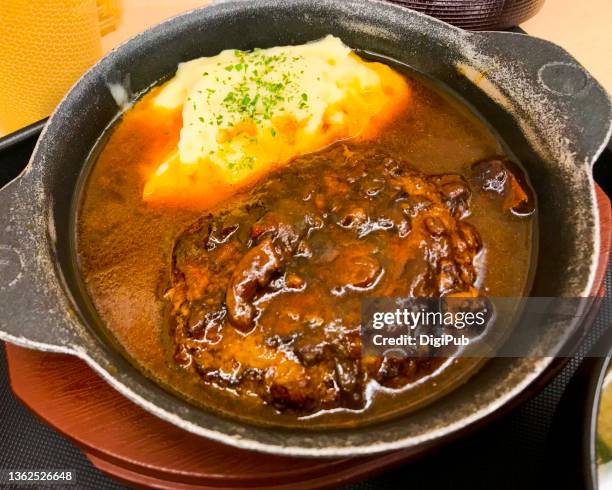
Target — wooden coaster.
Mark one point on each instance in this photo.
(137, 448)
(133, 446)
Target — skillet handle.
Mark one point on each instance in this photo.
(565, 91)
(30, 313)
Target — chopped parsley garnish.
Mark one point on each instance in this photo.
(261, 87)
(257, 86)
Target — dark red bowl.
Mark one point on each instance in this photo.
(477, 14)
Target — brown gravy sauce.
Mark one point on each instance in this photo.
(124, 246)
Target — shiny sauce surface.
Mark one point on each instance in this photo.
(125, 246)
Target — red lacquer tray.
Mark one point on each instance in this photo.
(139, 449)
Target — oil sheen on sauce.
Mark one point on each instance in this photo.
(124, 245)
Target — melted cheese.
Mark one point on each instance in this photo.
(246, 113)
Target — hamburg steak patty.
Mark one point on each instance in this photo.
(266, 292)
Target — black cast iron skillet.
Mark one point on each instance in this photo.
(545, 106)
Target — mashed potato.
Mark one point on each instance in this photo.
(246, 113)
